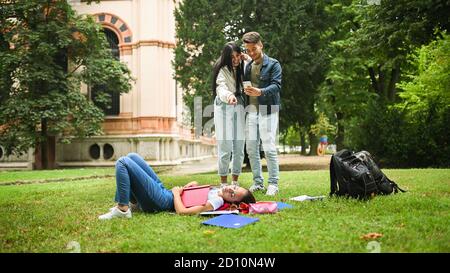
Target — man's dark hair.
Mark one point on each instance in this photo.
(251, 37)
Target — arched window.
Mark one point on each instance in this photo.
(114, 107)
(113, 41)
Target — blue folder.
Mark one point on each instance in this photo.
(281, 205)
(230, 221)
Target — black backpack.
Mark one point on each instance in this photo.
(357, 175)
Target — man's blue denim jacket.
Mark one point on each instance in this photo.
(269, 83)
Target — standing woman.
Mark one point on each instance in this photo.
(229, 115)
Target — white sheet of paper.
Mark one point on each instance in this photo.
(302, 198)
(218, 212)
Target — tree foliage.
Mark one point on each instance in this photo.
(200, 38)
(46, 52)
(416, 130)
(344, 90)
(293, 32)
(369, 50)
(428, 83)
(355, 52)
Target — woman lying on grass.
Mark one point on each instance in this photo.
(138, 186)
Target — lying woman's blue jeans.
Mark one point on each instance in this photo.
(136, 181)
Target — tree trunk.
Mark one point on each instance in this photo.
(45, 150)
(340, 134)
(44, 144)
(302, 142)
(373, 79)
(377, 84)
(395, 75)
(313, 142)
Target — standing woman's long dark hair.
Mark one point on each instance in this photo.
(225, 60)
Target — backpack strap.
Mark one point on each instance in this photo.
(333, 185)
(395, 186)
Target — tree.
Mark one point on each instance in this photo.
(46, 52)
(290, 137)
(292, 32)
(425, 101)
(389, 31)
(415, 131)
(371, 40)
(201, 34)
(429, 79)
(344, 91)
(322, 126)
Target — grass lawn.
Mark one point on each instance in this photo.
(23, 177)
(45, 217)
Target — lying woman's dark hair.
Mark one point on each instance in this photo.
(248, 198)
(225, 60)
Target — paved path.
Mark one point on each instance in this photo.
(291, 162)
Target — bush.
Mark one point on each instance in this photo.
(398, 140)
(415, 132)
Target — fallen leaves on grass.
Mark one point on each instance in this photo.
(208, 232)
(371, 236)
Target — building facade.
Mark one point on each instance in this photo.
(149, 119)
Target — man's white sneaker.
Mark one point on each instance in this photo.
(235, 183)
(256, 187)
(272, 190)
(115, 212)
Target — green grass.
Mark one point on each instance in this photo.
(46, 217)
(27, 176)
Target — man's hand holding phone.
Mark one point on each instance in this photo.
(250, 90)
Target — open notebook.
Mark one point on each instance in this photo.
(195, 196)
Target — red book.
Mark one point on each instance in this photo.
(195, 196)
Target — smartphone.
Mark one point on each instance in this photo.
(247, 83)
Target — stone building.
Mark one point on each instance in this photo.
(147, 120)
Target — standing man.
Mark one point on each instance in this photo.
(263, 99)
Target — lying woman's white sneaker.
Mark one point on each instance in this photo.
(115, 212)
